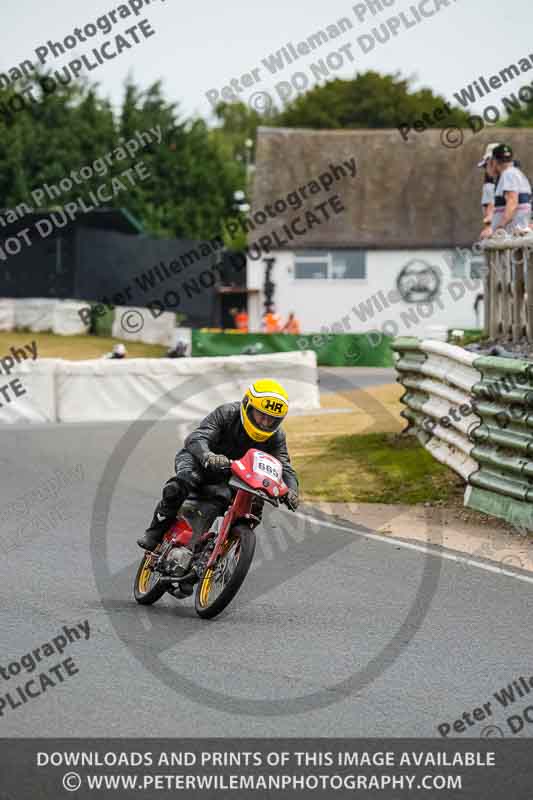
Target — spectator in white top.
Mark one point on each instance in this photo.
(512, 198)
(119, 351)
(487, 193)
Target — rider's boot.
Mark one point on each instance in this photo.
(174, 493)
(160, 524)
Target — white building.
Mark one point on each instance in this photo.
(389, 249)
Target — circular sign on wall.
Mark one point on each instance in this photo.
(418, 281)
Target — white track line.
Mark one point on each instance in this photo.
(433, 551)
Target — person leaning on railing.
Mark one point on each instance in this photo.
(512, 197)
(487, 193)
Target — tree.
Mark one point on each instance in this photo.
(190, 186)
(236, 124)
(43, 142)
(234, 138)
(369, 100)
(520, 118)
(194, 171)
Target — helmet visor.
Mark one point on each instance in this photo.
(265, 422)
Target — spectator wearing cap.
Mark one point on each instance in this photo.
(487, 192)
(512, 197)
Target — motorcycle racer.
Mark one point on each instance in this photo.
(226, 433)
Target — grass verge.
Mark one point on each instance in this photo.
(375, 468)
(75, 348)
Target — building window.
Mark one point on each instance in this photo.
(458, 264)
(349, 264)
(464, 263)
(330, 265)
(311, 265)
(477, 267)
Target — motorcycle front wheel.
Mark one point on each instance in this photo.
(148, 585)
(222, 580)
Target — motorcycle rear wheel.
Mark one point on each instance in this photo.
(227, 574)
(148, 585)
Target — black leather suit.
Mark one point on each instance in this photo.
(220, 432)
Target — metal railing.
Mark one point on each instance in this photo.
(508, 287)
(475, 414)
(438, 379)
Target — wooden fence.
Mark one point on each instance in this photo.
(508, 291)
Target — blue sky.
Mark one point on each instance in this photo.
(201, 46)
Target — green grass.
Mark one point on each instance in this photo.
(376, 468)
(75, 348)
(470, 337)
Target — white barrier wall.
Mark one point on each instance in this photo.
(7, 314)
(67, 321)
(139, 325)
(114, 390)
(35, 314)
(38, 404)
(62, 317)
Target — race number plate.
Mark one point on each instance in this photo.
(267, 466)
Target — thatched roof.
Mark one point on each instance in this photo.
(416, 194)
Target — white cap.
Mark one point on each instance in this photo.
(488, 153)
(119, 349)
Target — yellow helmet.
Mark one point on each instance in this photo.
(264, 407)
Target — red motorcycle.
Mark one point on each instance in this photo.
(225, 536)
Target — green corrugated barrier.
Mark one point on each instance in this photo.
(503, 486)
(502, 444)
(334, 350)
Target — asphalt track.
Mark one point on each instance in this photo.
(379, 639)
(342, 379)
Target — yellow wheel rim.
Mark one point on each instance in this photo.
(144, 577)
(207, 580)
(205, 588)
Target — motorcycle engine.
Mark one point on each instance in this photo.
(181, 556)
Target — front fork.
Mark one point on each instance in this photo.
(241, 508)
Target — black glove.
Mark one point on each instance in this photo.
(217, 463)
(291, 500)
